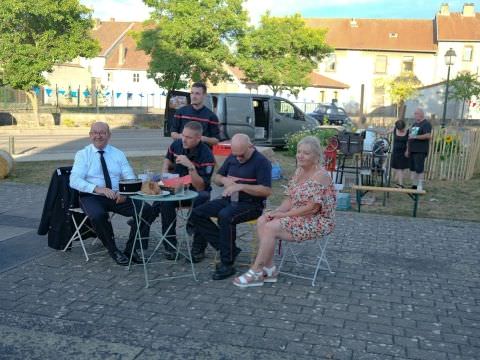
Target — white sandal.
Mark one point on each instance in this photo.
(250, 278)
(270, 275)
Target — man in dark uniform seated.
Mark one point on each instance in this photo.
(186, 156)
(198, 112)
(96, 172)
(246, 176)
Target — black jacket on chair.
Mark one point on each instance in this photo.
(56, 218)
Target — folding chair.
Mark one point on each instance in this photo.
(294, 249)
(79, 234)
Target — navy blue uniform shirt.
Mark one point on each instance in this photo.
(201, 157)
(255, 171)
(204, 116)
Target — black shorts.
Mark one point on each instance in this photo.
(417, 162)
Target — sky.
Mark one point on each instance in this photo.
(135, 10)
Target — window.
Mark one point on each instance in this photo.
(378, 95)
(380, 64)
(467, 53)
(331, 62)
(109, 76)
(284, 108)
(136, 77)
(407, 64)
(322, 96)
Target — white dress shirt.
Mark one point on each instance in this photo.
(87, 170)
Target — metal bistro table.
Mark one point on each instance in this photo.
(183, 214)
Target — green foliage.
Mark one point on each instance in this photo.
(464, 87)
(36, 36)
(191, 40)
(322, 134)
(68, 122)
(281, 53)
(403, 87)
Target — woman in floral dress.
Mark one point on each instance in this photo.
(307, 213)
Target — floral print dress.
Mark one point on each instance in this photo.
(308, 227)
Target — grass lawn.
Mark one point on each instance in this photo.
(444, 200)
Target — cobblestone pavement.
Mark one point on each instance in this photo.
(403, 288)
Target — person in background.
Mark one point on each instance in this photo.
(96, 173)
(417, 148)
(400, 163)
(308, 212)
(197, 111)
(246, 176)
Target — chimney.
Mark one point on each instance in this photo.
(353, 23)
(468, 9)
(444, 10)
(122, 52)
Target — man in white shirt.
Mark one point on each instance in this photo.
(96, 172)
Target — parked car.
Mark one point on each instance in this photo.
(330, 114)
(266, 119)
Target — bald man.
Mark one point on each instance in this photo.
(96, 172)
(417, 147)
(246, 176)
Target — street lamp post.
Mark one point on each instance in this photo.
(449, 61)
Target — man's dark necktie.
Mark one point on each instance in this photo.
(106, 175)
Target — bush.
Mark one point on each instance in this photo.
(322, 134)
(68, 122)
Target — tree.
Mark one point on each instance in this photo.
(464, 87)
(191, 40)
(35, 37)
(281, 53)
(401, 89)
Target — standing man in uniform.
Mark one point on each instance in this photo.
(417, 147)
(197, 111)
(96, 172)
(246, 176)
(185, 156)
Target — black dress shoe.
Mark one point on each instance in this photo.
(224, 271)
(236, 252)
(136, 258)
(119, 258)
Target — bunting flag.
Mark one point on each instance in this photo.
(107, 94)
(36, 90)
(152, 94)
(118, 94)
(141, 95)
(73, 94)
(61, 92)
(86, 93)
(48, 91)
(129, 96)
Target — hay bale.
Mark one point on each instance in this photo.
(6, 164)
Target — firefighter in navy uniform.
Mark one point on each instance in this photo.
(186, 156)
(198, 112)
(246, 176)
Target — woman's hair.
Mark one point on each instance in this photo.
(314, 145)
(400, 124)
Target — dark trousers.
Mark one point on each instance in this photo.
(97, 209)
(167, 210)
(222, 236)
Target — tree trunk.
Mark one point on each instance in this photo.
(32, 96)
(401, 110)
(463, 110)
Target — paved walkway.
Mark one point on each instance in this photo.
(403, 288)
